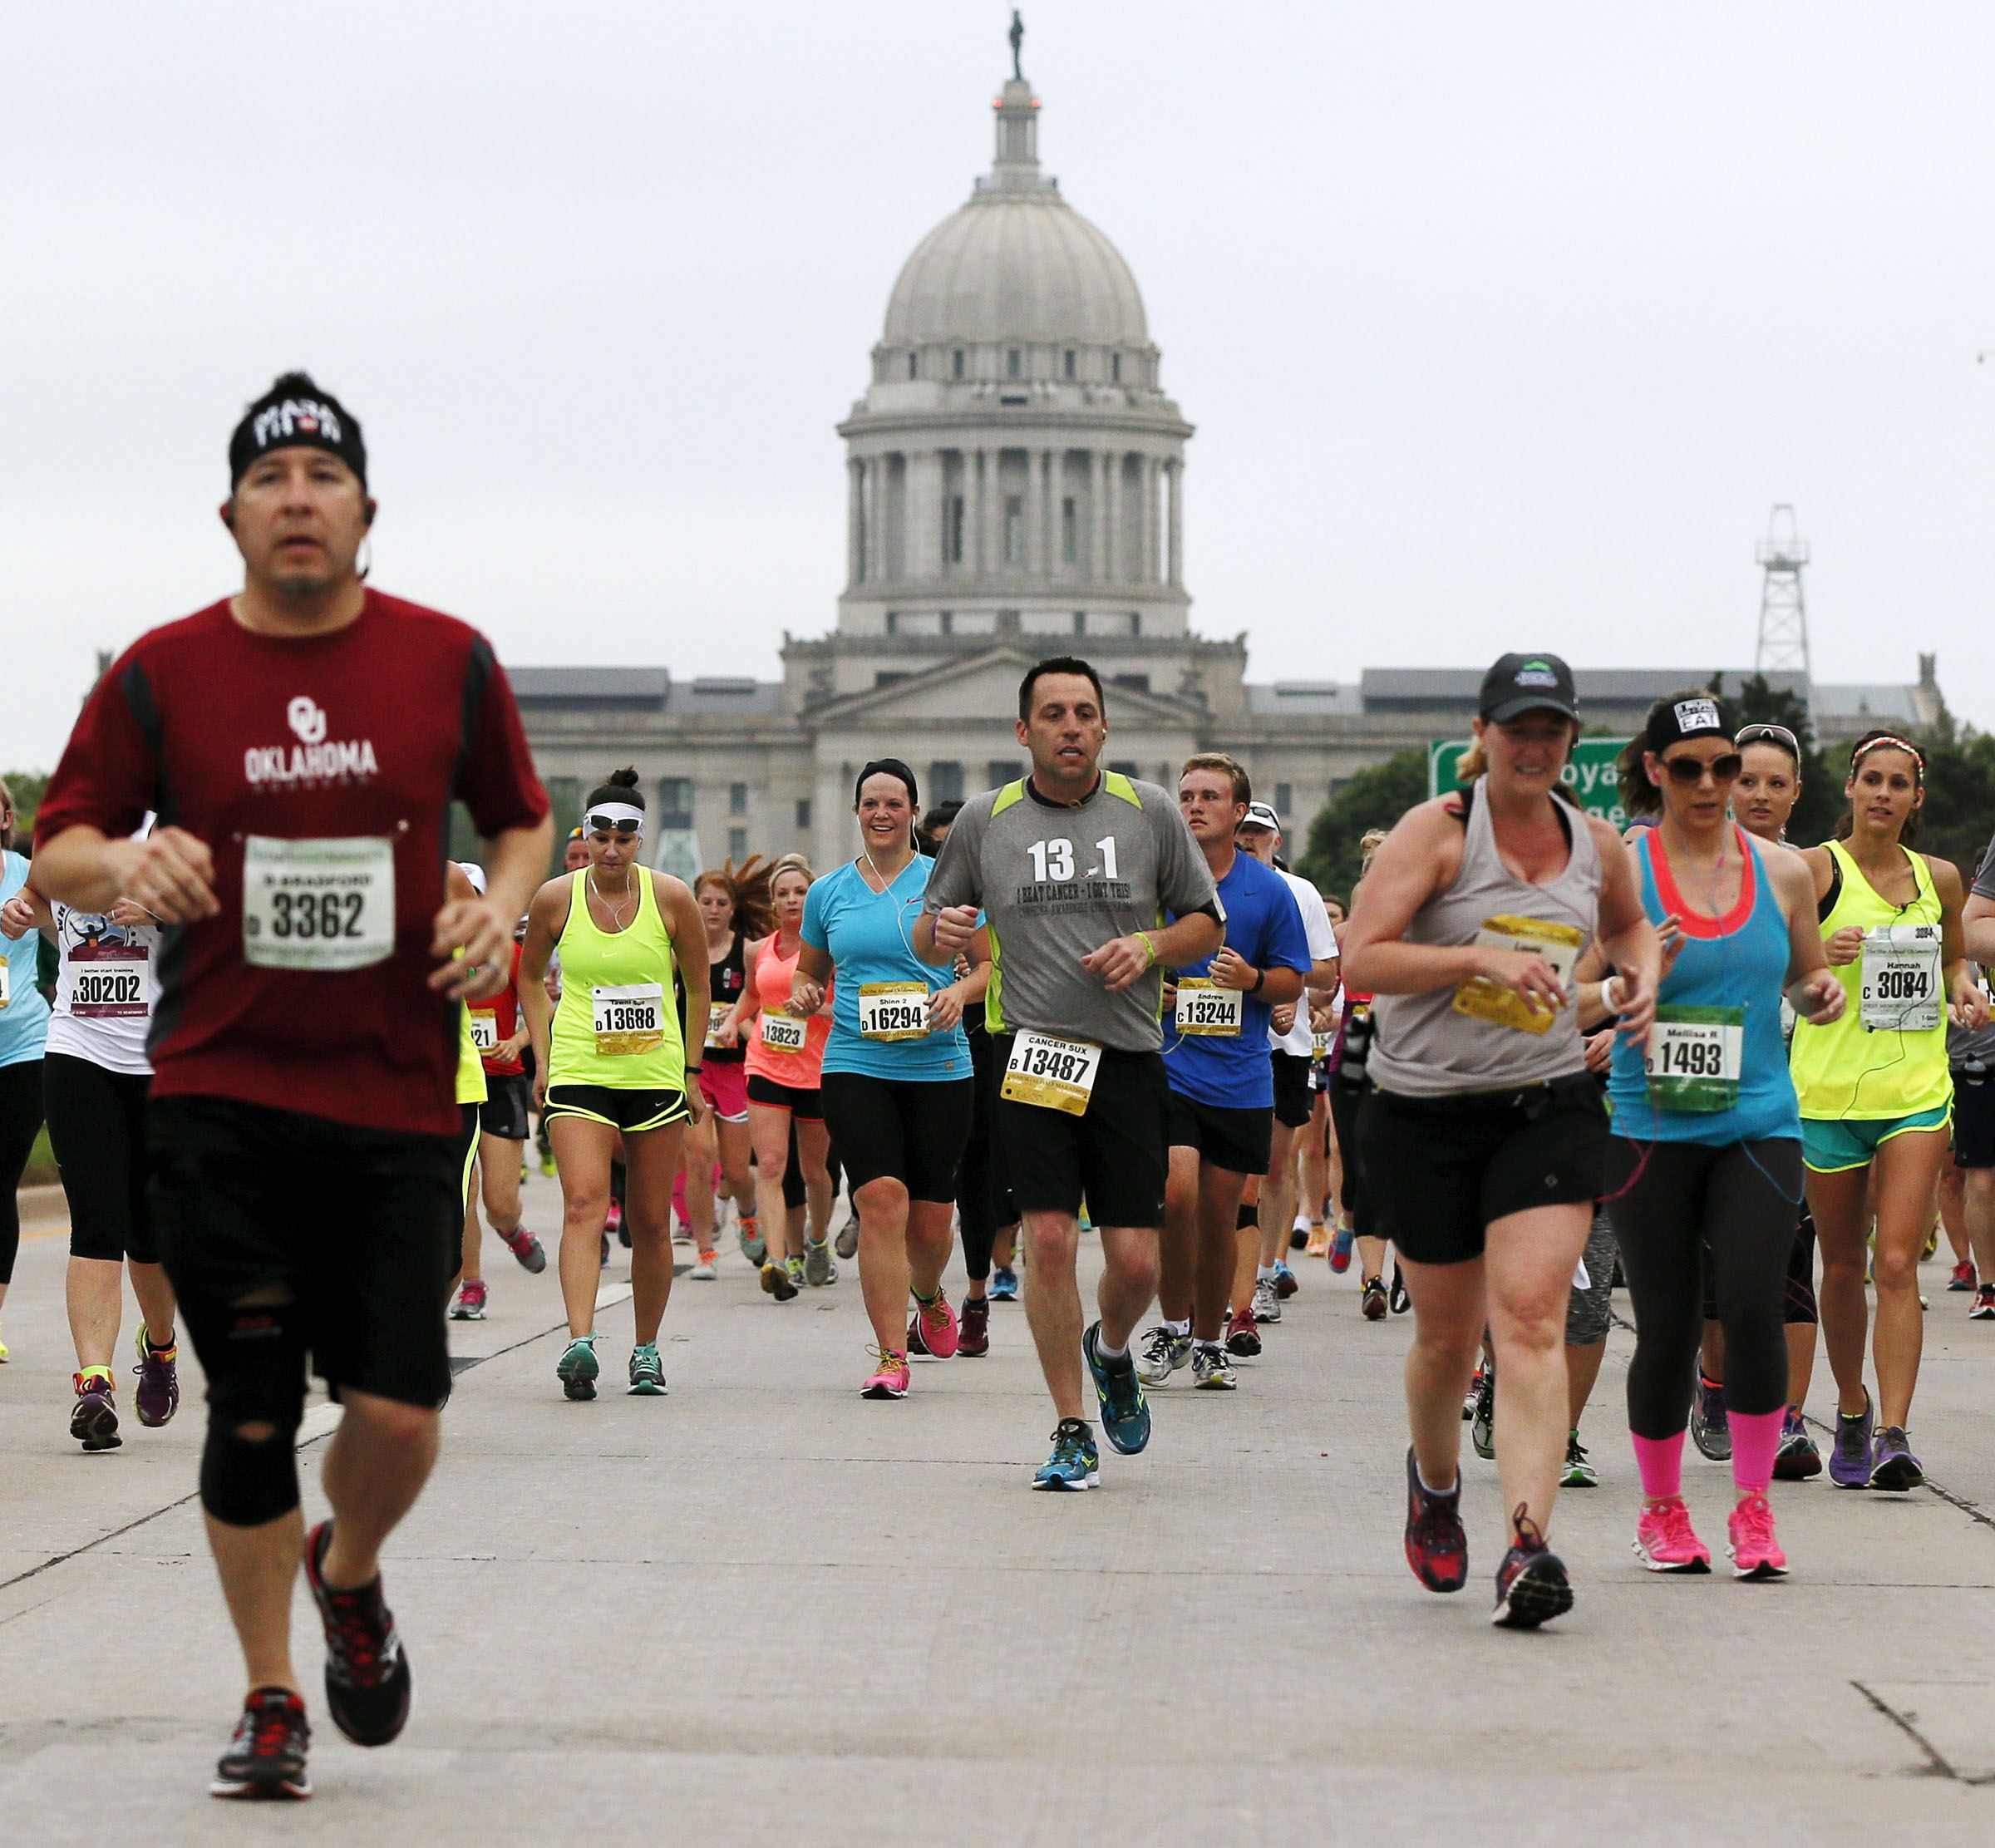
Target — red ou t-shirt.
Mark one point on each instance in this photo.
(503, 1007)
(364, 734)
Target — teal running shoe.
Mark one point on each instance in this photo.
(577, 1367)
(1125, 1412)
(647, 1373)
(1075, 1464)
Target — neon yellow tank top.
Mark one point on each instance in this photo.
(1850, 1071)
(471, 1087)
(617, 1024)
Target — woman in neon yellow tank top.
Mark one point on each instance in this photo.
(1876, 1095)
(611, 1066)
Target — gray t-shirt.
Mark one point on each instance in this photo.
(1055, 882)
(1962, 1043)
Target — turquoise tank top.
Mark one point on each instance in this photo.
(24, 1016)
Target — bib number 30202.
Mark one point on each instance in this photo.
(323, 905)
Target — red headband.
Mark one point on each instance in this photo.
(1905, 745)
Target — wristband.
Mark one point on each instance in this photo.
(1260, 977)
(1611, 998)
(1143, 937)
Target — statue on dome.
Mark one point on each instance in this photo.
(1017, 38)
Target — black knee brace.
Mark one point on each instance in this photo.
(256, 1378)
(245, 1481)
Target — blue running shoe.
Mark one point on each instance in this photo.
(1849, 1461)
(577, 1367)
(1340, 1249)
(1004, 1284)
(647, 1373)
(1285, 1283)
(1075, 1464)
(1125, 1412)
(1710, 1429)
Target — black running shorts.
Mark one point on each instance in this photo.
(907, 1130)
(1973, 1121)
(1292, 1098)
(632, 1112)
(806, 1106)
(504, 1112)
(1115, 1157)
(1240, 1141)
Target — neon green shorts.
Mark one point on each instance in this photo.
(1834, 1145)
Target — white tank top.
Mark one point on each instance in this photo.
(106, 983)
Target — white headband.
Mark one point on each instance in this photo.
(622, 813)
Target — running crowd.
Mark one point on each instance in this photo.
(295, 1061)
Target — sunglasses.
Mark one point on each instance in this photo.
(1759, 734)
(1690, 770)
(605, 824)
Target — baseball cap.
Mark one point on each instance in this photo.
(1260, 816)
(1521, 683)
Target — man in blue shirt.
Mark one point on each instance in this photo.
(1222, 1088)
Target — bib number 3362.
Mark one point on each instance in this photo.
(324, 905)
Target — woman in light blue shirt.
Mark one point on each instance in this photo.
(23, 1029)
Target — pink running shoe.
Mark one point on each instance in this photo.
(469, 1305)
(932, 1329)
(1665, 1541)
(890, 1379)
(526, 1248)
(1756, 1554)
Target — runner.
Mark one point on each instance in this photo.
(614, 1068)
(1073, 867)
(462, 882)
(1876, 1094)
(721, 1136)
(306, 738)
(23, 1031)
(1346, 1070)
(786, 1071)
(1973, 1060)
(1219, 1121)
(1706, 1163)
(1484, 1135)
(897, 1084)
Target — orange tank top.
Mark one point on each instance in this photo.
(804, 1068)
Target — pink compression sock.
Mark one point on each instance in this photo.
(1756, 1437)
(1661, 1462)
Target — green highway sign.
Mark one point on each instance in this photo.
(1591, 775)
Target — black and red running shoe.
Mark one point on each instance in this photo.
(1531, 1584)
(266, 1759)
(367, 1678)
(1437, 1547)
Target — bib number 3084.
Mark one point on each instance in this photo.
(1054, 1074)
(1901, 978)
(324, 905)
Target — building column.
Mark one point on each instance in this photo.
(1174, 482)
(1049, 517)
(855, 522)
(976, 489)
(923, 516)
(1152, 525)
(1111, 462)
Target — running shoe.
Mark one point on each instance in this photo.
(1578, 1473)
(1963, 1275)
(367, 1680)
(1125, 1412)
(749, 1234)
(647, 1373)
(777, 1281)
(1075, 1464)
(1399, 1299)
(547, 1167)
(1340, 1249)
(891, 1378)
(1437, 1546)
(602, 1261)
(707, 1268)
(794, 1266)
(1531, 1584)
(1983, 1308)
(469, 1304)
(1892, 1464)
(935, 1324)
(1797, 1459)
(1473, 1397)
(94, 1421)
(1267, 1301)
(526, 1248)
(1756, 1554)
(5, 1356)
(613, 1223)
(1243, 1336)
(973, 1331)
(1708, 1428)
(577, 1367)
(266, 1758)
(1004, 1284)
(1849, 1461)
(1482, 1428)
(818, 1267)
(1298, 1236)
(1212, 1368)
(1318, 1245)
(1163, 1353)
(1372, 1302)
(1285, 1282)
(1665, 1541)
(158, 1396)
(847, 1238)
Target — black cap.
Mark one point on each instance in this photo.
(295, 411)
(1688, 716)
(1521, 683)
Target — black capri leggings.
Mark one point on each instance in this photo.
(1740, 1201)
(20, 1124)
(982, 1204)
(908, 1130)
(1345, 1099)
(96, 1126)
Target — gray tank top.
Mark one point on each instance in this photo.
(1478, 1038)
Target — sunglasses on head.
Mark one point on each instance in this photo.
(1690, 770)
(603, 824)
(1762, 734)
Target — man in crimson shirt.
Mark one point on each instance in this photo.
(302, 742)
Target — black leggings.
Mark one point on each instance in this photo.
(982, 1203)
(96, 1126)
(1739, 1200)
(20, 1124)
(1346, 1100)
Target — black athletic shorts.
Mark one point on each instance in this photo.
(362, 1227)
(96, 1128)
(1798, 1307)
(1292, 1100)
(1973, 1121)
(1440, 1170)
(908, 1130)
(1240, 1141)
(1115, 1157)
(507, 1102)
(807, 1105)
(655, 1106)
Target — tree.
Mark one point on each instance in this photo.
(26, 787)
(1757, 702)
(1376, 797)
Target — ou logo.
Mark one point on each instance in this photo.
(307, 719)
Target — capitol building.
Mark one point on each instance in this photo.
(1015, 487)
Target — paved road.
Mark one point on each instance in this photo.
(761, 1610)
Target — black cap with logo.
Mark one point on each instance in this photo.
(296, 412)
(1521, 683)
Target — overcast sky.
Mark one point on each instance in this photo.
(1501, 323)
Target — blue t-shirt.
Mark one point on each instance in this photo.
(1264, 928)
(24, 1020)
(867, 934)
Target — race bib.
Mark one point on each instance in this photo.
(1901, 978)
(714, 1024)
(784, 1033)
(485, 1032)
(629, 1020)
(1320, 1045)
(110, 982)
(325, 906)
(1055, 1074)
(7, 984)
(893, 1010)
(1557, 944)
(1205, 1010)
(1693, 1058)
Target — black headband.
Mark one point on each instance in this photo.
(1694, 716)
(887, 767)
(295, 413)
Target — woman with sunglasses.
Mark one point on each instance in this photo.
(898, 1085)
(1707, 1136)
(1876, 1093)
(612, 1066)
